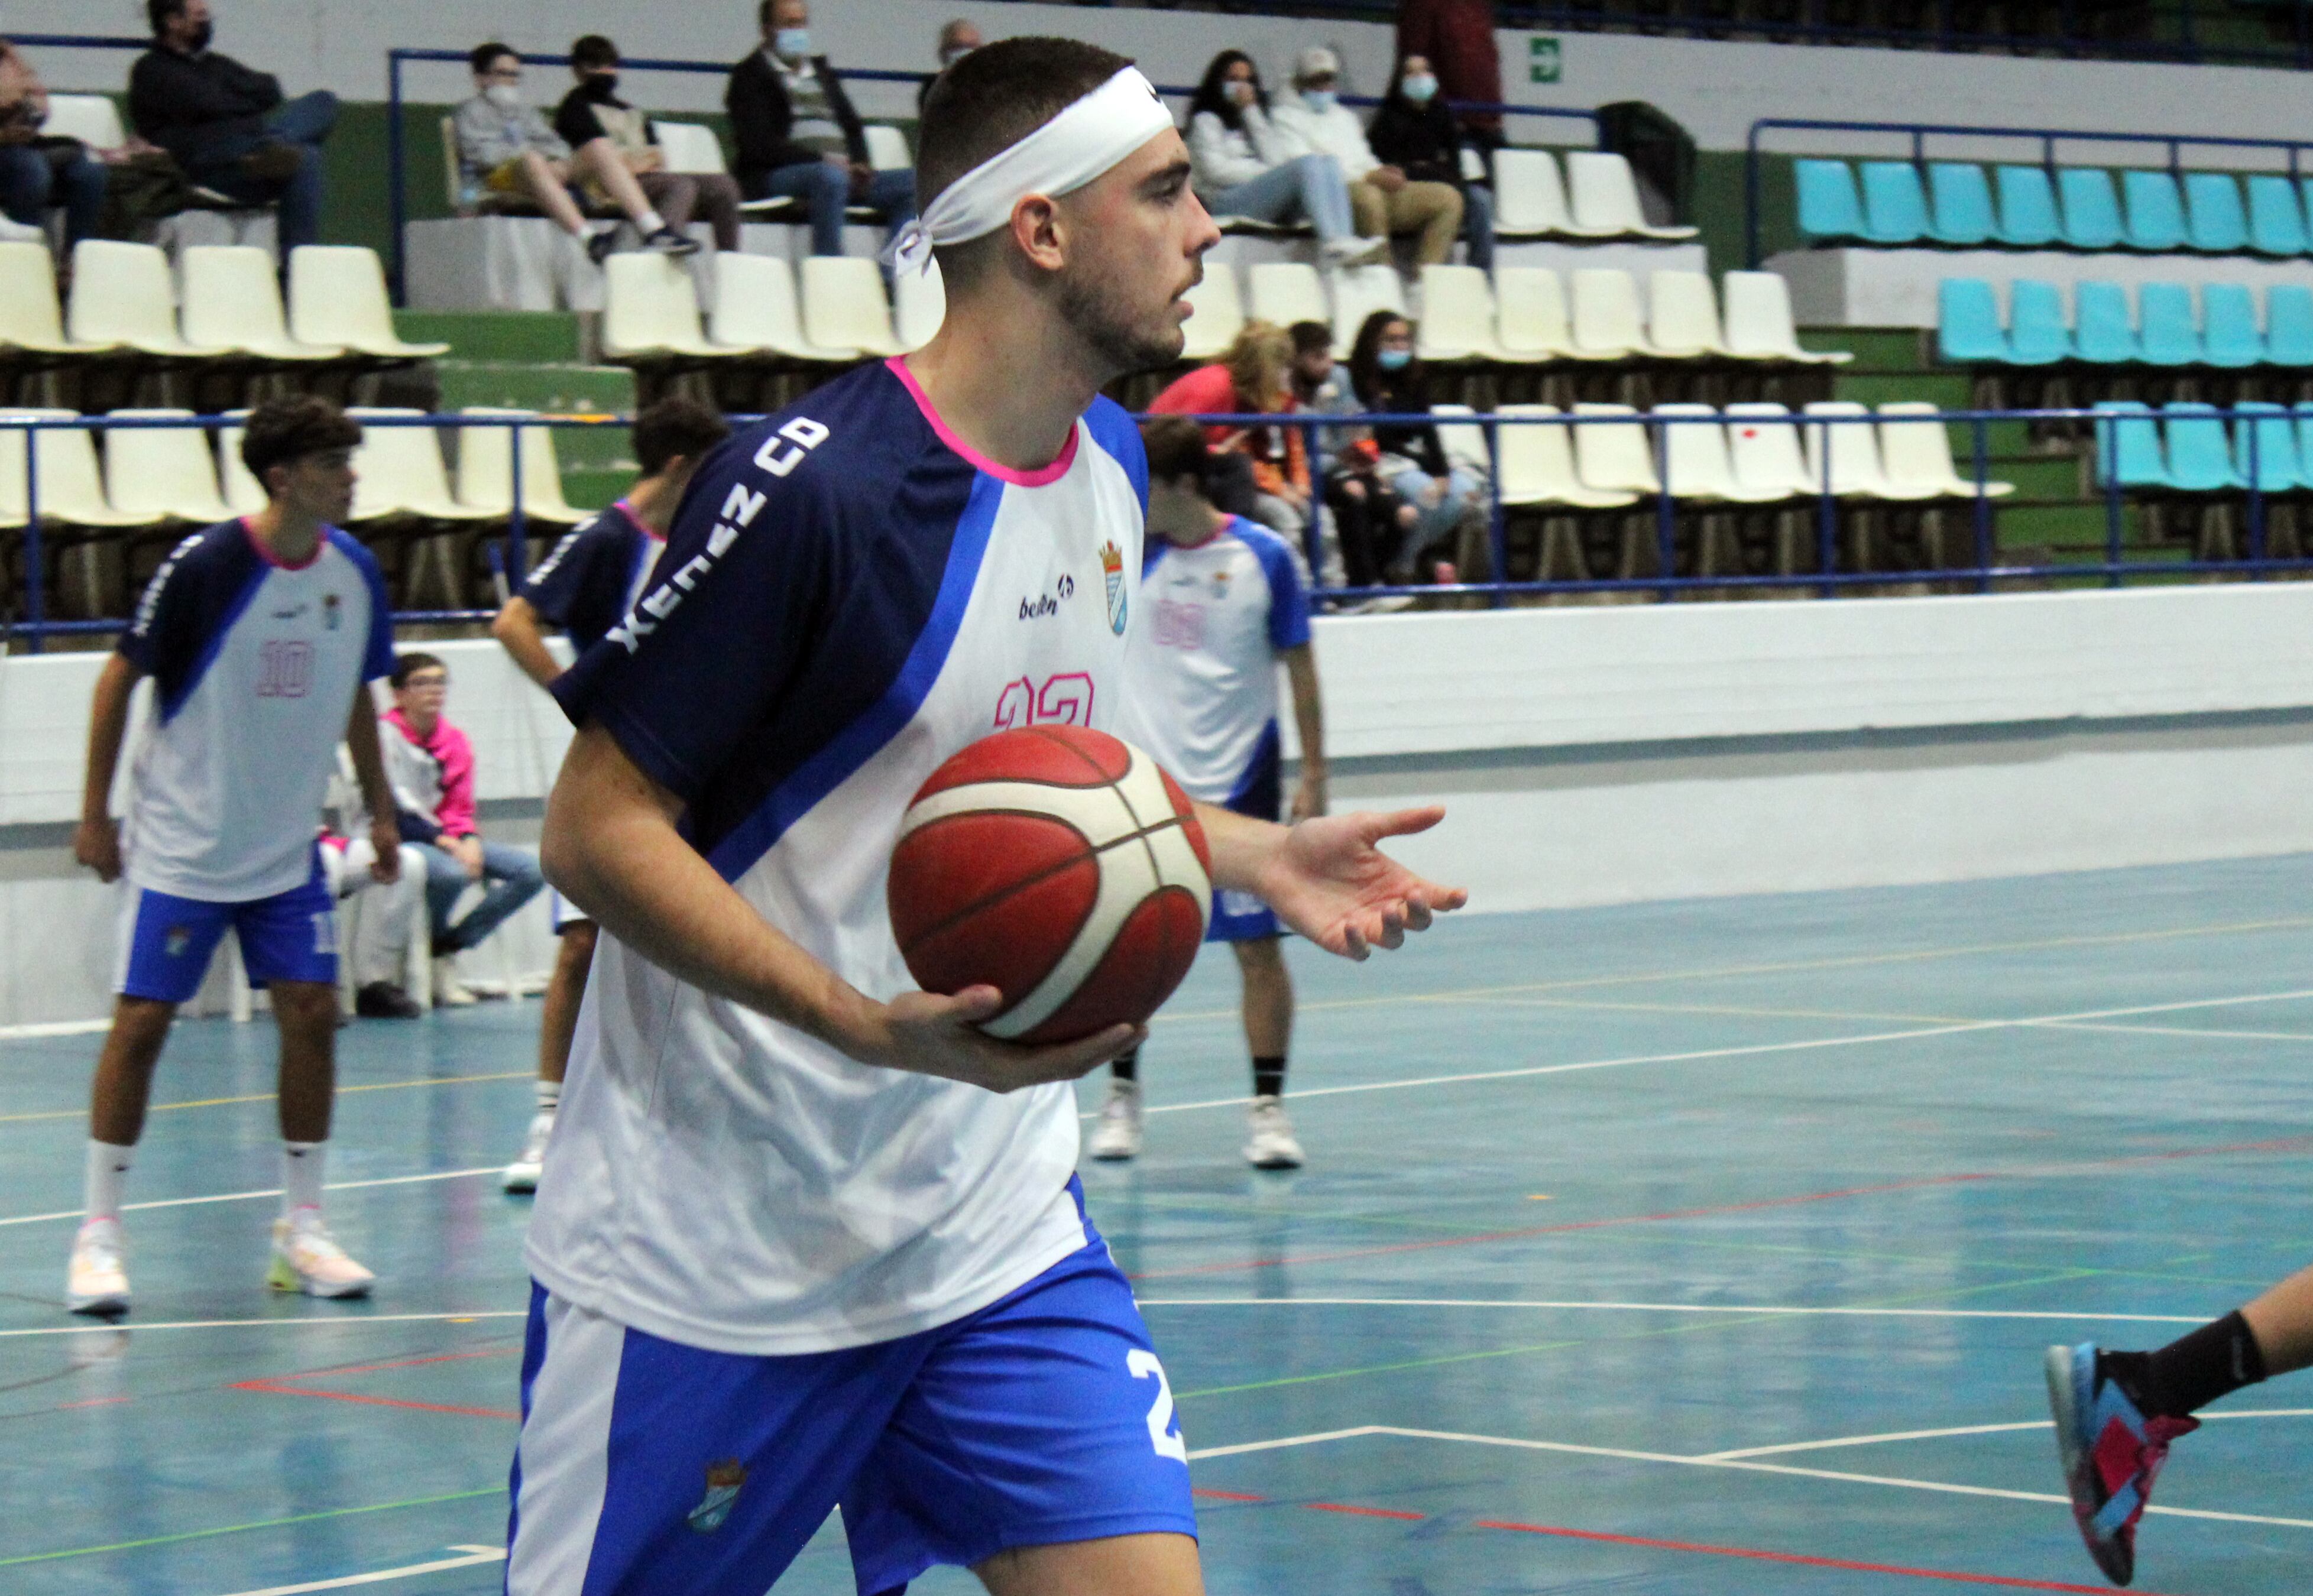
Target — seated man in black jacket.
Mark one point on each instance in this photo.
(798, 137)
(227, 126)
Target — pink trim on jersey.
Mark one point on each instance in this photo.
(1041, 478)
(265, 552)
(637, 522)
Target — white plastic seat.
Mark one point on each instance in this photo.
(919, 305)
(1763, 446)
(1220, 312)
(651, 310)
(843, 305)
(1615, 457)
(1695, 453)
(1607, 323)
(1855, 471)
(92, 119)
(337, 295)
(689, 147)
(1918, 454)
(1463, 442)
(243, 494)
(1457, 315)
(72, 491)
(485, 471)
(232, 301)
(1530, 198)
(1759, 325)
(121, 295)
(1605, 196)
(31, 318)
(887, 148)
(166, 472)
(1530, 315)
(1358, 294)
(755, 310)
(1283, 291)
(1473, 167)
(1538, 466)
(399, 472)
(1682, 316)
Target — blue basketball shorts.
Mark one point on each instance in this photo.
(1240, 917)
(166, 940)
(650, 1468)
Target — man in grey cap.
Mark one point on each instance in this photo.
(1384, 199)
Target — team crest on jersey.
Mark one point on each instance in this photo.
(1220, 584)
(332, 611)
(723, 1482)
(1112, 570)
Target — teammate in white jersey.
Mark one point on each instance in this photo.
(258, 633)
(806, 1235)
(590, 579)
(1225, 607)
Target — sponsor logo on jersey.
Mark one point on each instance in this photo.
(1111, 571)
(1044, 604)
(723, 1482)
(292, 613)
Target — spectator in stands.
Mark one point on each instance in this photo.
(37, 171)
(1416, 134)
(1243, 167)
(379, 938)
(1368, 520)
(1389, 378)
(1385, 199)
(957, 39)
(506, 146)
(798, 137)
(599, 126)
(431, 766)
(1456, 38)
(1250, 379)
(227, 126)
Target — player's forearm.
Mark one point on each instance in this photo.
(517, 631)
(108, 726)
(369, 763)
(1241, 845)
(1308, 708)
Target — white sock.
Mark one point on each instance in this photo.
(550, 1096)
(107, 1172)
(651, 221)
(301, 1175)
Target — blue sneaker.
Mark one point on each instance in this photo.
(2111, 1453)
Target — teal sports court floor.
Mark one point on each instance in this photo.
(1702, 1248)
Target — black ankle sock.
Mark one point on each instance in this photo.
(1268, 1076)
(2191, 1371)
(1128, 1067)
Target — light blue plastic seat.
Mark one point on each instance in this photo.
(2036, 331)
(1962, 204)
(2102, 331)
(2027, 207)
(2289, 325)
(2166, 330)
(2264, 449)
(2128, 447)
(2213, 218)
(2091, 208)
(2229, 333)
(2200, 452)
(1968, 323)
(2276, 221)
(1828, 206)
(2303, 410)
(1894, 206)
(2155, 214)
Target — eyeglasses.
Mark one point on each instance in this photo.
(504, 74)
(427, 684)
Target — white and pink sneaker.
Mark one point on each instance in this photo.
(96, 1281)
(307, 1259)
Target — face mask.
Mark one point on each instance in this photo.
(1420, 88)
(1392, 360)
(949, 57)
(504, 96)
(1320, 100)
(601, 85)
(794, 43)
(199, 41)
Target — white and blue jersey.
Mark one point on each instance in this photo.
(593, 576)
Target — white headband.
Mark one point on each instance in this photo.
(1062, 156)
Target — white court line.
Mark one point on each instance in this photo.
(1281, 1441)
(2041, 1423)
(474, 1556)
(2243, 1036)
(25, 1033)
(123, 1326)
(1670, 1308)
(250, 1196)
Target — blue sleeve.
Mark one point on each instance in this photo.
(562, 582)
(163, 638)
(378, 662)
(1289, 601)
(1115, 430)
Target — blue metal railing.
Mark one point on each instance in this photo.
(1669, 503)
(1919, 132)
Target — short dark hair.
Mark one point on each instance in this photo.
(483, 56)
(1177, 448)
(592, 49)
(158, 11)
(1309, 336)
(283, 431)
(676, 426)
(407, 665)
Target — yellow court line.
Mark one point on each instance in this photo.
(267, 1097)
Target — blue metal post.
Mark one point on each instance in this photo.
(1497, 530)
(396, 204)
(2256, 500)
(1983, 506)
(518, 551)
(1666, 516)
(2108, 445)
(1826, 518)
(36, 576)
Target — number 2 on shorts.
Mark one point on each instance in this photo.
(1161, 1434)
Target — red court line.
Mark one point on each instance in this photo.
(1363, 1513)
(439, 1357)
(1228, 1495)
(278, 1390)
(93, 1402)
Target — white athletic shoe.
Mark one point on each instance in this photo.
(306, 1258)
(449, 991)
(96, 1281)
(1355, 251)
(1117, 1136)
(521, 1174)
(1268, 1142)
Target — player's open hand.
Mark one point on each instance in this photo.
(1330, 881)
(97, 845)
(929, 1035)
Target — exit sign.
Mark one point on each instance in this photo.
(1541, 60)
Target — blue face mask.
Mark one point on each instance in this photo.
(794, 43)
(1418, 88)
(1320, 100)
(1392, 360)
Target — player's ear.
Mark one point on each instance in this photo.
(1037, 229)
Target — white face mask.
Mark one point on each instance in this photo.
(1320, 100)
(1419, 86)
(504, 96)
(1240, 90)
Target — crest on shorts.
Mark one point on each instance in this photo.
(1112, 570)
(723, 1482)
(176, 940)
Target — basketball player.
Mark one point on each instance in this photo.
(2117, 1412)
(1226, 605)
(590, 579)
(259, 633)
(808, 1236)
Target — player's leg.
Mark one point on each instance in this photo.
(1122, 1565)
(573, 958)
(1269, 1143)
(1116, 1135)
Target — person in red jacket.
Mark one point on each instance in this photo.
(1458, 37)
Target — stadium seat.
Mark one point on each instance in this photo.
(1463, 443)
(32, 320)
(1762, 444)
(92, 119)
(1695, 454)
(1829, 210)
(1917, 455)
(1530, 315)
(689, 147)
(1894, 207)
(2264, 449)
(1530, 197)
(919, 305)
(1538, 466)
(485, 471)
(71, 489)
(167, 473)
(651, 311)
(337, 295)
(755, 310)
(1853, 468)
(2128, 446)
(1615, 457)
(2028, 219)
(887, 148)
(1961, 213)
(121, 295)
(2229, 333)
(1759, 321)
(1457, 315)
(1968, 323)
(1357, 293)
(1220, 312)
(242, 493)
(2036, 331)
(843, 305)
(2104, 333)
(2276, 220)
(1607, 323)
(2289, 325)
(2167, 328)
(2213, 218)
(1605, 197)
(2091, 208)
(1283, 291)
(2200, 453)
(1682, 316)
(399, 473)
(2155, 214)
(232, 301)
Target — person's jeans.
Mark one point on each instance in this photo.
(1433, 522)
(825, 189)
(302, 123)
(1478, 223)
(510, 879)
(32, 179)
(1308, 186)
